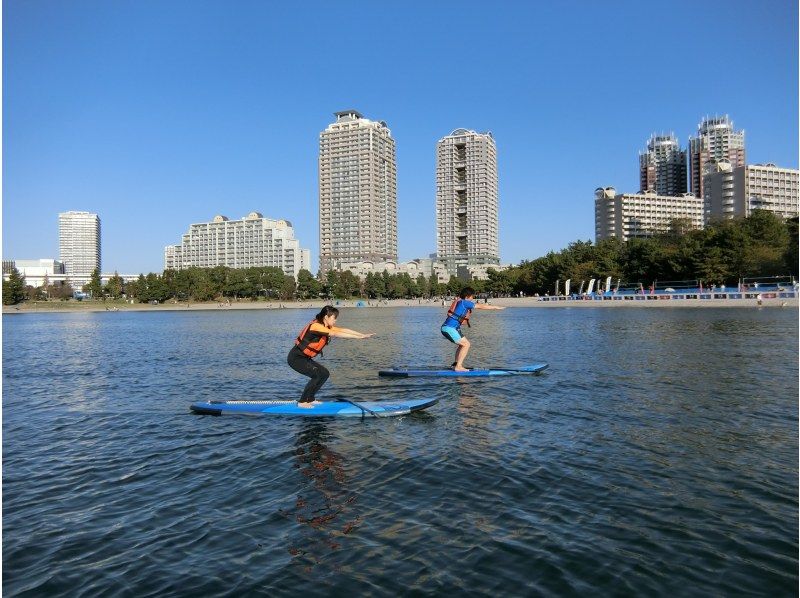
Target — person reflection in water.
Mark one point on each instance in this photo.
(325, 505)
(309, 343)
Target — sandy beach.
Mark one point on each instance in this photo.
(511, 302)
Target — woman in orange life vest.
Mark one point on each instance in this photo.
(309, 343)
(459, 313)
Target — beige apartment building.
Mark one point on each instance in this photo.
(639, 215)
(716, 141)
(357, 192)
(466, 200)
(731, 192)
(253, 241)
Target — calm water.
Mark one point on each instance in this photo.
(657, 455)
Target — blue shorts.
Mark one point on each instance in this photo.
(451, 334)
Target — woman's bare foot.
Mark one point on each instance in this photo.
(307, 404)
(460, 369)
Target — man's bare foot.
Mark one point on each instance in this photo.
(460, 369)
(306, 404)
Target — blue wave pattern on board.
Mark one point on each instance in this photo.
(657, 454)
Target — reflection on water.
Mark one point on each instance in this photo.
(324, 506)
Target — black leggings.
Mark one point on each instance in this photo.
(305, 365)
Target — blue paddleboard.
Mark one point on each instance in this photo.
(535, 368)
(324, 409)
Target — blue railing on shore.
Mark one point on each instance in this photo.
(677, 296)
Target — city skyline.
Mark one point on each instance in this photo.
(153, 135)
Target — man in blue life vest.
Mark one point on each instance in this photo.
(459, 313)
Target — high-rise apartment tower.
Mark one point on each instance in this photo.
(357, 192)
(716, 140)
(79, 245)
(466, 200)
(662, 167)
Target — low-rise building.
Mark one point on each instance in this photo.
(36, 272)
(479, 271)
(638, 215)
(413, 268)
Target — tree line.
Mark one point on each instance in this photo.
(721, 253)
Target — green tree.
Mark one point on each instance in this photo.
(346, 285)
(790, 255)
(329, 284)
(273, 280)
(115, 286)
(14, 288)
(236, 284)
(374, 286)
(499, 283)
(423, 288)
(288, 288)
(94, 286)
(157, 288)
(454, 285)
(308, 287)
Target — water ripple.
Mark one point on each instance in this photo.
(657, 455)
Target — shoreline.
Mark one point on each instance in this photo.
(116, 307)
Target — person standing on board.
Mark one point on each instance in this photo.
(459, 313)
(309, 343)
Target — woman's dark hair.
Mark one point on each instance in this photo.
(328, 310)
(467, 292)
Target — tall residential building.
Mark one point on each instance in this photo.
(738, 191)
(466, 200)
(253, 241)
(357, 192)
(662, 167)
(638, 215)
(79, 245)
(716, 141)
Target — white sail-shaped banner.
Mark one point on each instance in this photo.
(608, 284)
(591, 286)
(566, 286)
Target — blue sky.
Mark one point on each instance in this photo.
(159, 114)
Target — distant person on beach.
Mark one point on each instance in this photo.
(459, 313)
(309, 343)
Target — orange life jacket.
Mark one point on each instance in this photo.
(311, 343)
(462, 319)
